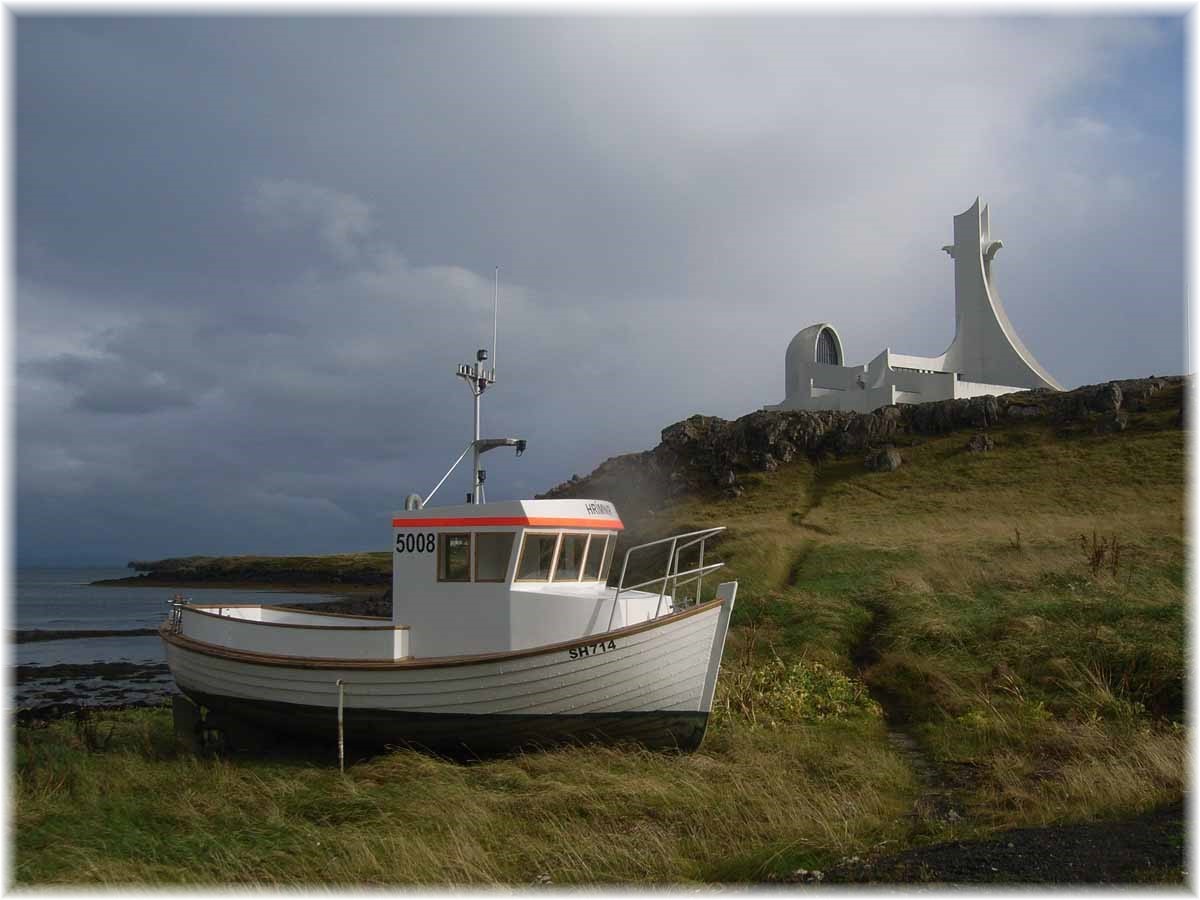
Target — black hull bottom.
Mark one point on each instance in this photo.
(247, 724)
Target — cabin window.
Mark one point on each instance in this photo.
(454, 557)
(570, 557)
(537, 556)
(493, 549)
(608, 557)
(595, 557)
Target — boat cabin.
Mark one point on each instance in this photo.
(472, 579)
(478, 578)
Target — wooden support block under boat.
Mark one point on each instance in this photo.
(186, 717)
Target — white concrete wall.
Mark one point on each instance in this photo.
(838, 378)
(922, 363)
(928, 385)
(965, 389)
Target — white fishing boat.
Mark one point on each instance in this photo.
(505, 633)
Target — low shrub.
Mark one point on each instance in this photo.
(774, 693)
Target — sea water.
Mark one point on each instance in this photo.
(64, 599)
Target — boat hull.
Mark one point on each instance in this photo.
(479, 734)
(652, 683)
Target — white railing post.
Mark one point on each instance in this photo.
(662, 593)
(675, 576)
(620, 585)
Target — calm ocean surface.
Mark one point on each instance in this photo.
(63, 599)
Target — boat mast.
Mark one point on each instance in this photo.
(478, 378)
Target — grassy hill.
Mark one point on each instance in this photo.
(1018, 612)
(973, 642)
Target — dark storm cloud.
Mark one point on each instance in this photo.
(251, 252)
(111, 385)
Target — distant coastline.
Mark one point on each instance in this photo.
(352, 574)
(269, 586)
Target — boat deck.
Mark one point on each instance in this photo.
(282, 632)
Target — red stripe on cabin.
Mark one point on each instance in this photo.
(529, 522)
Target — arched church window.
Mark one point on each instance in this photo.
(827, 349)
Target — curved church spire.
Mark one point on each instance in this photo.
(985, 343)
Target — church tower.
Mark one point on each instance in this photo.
(986, 346)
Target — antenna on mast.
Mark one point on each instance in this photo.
(495, 319)
(477, 378)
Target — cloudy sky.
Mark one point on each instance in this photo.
(250, 253)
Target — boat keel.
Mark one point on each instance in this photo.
(244, 723)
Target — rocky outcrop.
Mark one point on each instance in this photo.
(885, 459)
(980, 443)
(1136, 394)
(706, 452)
(1116, 421)
(948, 415)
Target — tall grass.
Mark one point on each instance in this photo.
(745, 805)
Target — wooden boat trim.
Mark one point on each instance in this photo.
(433, 662)
(313, 612)
(201, 611)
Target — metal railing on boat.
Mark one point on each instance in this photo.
(177, 603)
(672, 575)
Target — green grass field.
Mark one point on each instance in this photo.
(959, 601)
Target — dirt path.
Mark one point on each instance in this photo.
(941, 792)
(1149, 848)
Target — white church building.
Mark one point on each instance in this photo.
(985, 357)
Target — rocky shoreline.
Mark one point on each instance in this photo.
(39, 634)
(106, 671)
(48, 692)
(51, 692)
